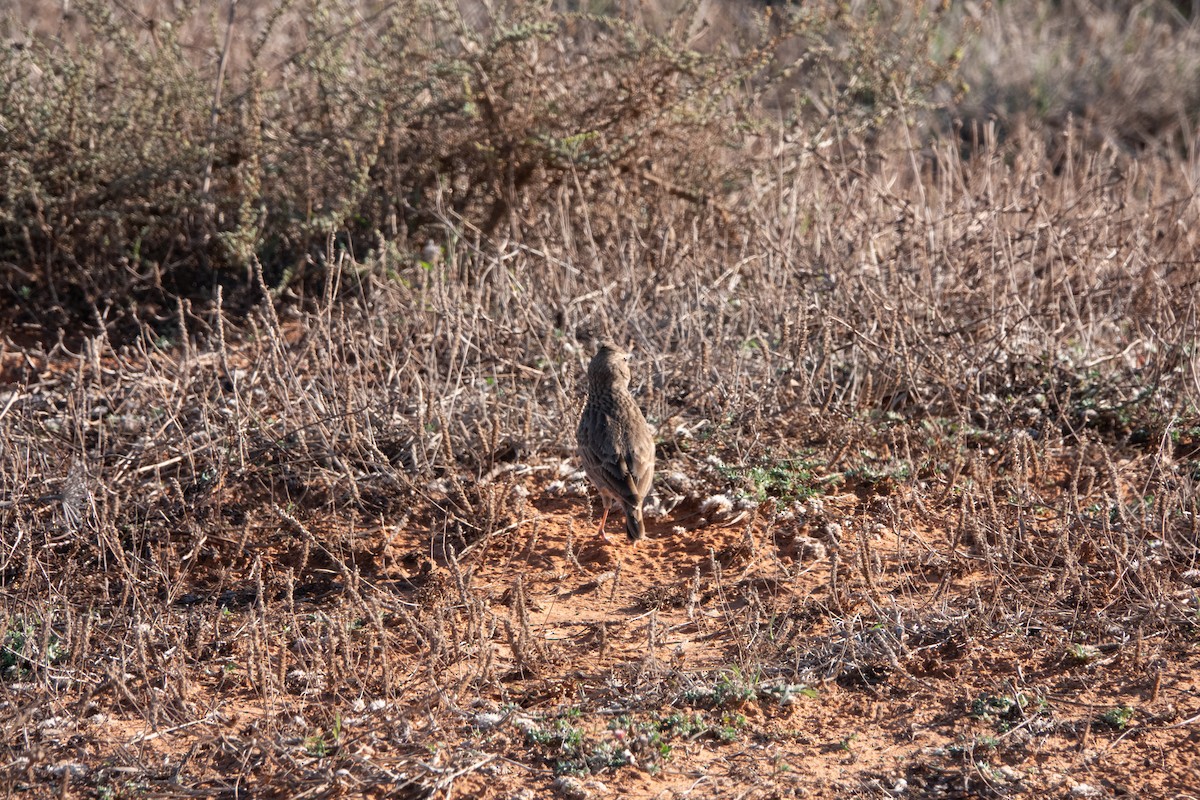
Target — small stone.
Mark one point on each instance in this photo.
(487, 720)
(571, 788)
(64, 767)
(716, 506)
(1011, 775)
(810, 548)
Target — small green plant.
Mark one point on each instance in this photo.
(12, 653)
(731, 688)
(731, 727)
(628, 740)
(787, 479)
(786, 693)
(880, 476)
(573, 751)
(316, 746)
(987, 743)
(1004, 711)
(561, 734)
(1185, 435)
(992, 707)
(687, 726)
(1117, 718)
(1082, 653)
(322, 744)
(18, 648)
(986, 706)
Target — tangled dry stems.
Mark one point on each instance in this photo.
(277, 520)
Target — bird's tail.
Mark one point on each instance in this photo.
(634, 525)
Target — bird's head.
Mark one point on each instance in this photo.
(609, 367)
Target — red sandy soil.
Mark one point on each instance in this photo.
(633, 633)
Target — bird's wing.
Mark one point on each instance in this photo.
(642, 463)
(626, 463)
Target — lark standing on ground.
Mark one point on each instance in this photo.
(615, 443)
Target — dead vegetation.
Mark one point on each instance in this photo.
(926, 417)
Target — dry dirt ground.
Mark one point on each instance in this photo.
(334, 546)
(717, 658)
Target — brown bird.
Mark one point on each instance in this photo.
(615, 443)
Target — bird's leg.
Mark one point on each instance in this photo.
(603, 519)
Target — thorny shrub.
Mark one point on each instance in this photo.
(132, 173)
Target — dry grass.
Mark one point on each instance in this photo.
(928, 441)
(129, 172)
(1127, 69)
